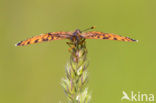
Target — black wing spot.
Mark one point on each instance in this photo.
(49, 34)
(115, 39)
(105, 37)
(52, 38)
(45, 39)
(36, 40)
(131, 39)
(123, 39)
(98, 36)
(18, 43)
(134, 40)
(28, 42)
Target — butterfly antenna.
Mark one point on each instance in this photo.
(93, 27)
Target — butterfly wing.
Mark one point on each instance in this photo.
(45, 37)
(109, 36)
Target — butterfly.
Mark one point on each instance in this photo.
(73, 35)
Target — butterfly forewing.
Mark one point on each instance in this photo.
(101, 35)
(45, 37)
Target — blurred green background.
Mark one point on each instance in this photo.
(32, 74)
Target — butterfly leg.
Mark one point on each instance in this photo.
(71, 45)
(82, 41)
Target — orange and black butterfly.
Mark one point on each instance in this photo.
(70, 35)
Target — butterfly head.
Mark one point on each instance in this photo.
(77, 32)
(76, 35)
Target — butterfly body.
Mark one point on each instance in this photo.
(73, 36)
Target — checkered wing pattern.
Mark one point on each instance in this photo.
(108, 36)
(45, 37)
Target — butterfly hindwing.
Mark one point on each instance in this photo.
(109, 36)
(44, 37)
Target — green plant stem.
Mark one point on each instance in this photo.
(74, 83)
